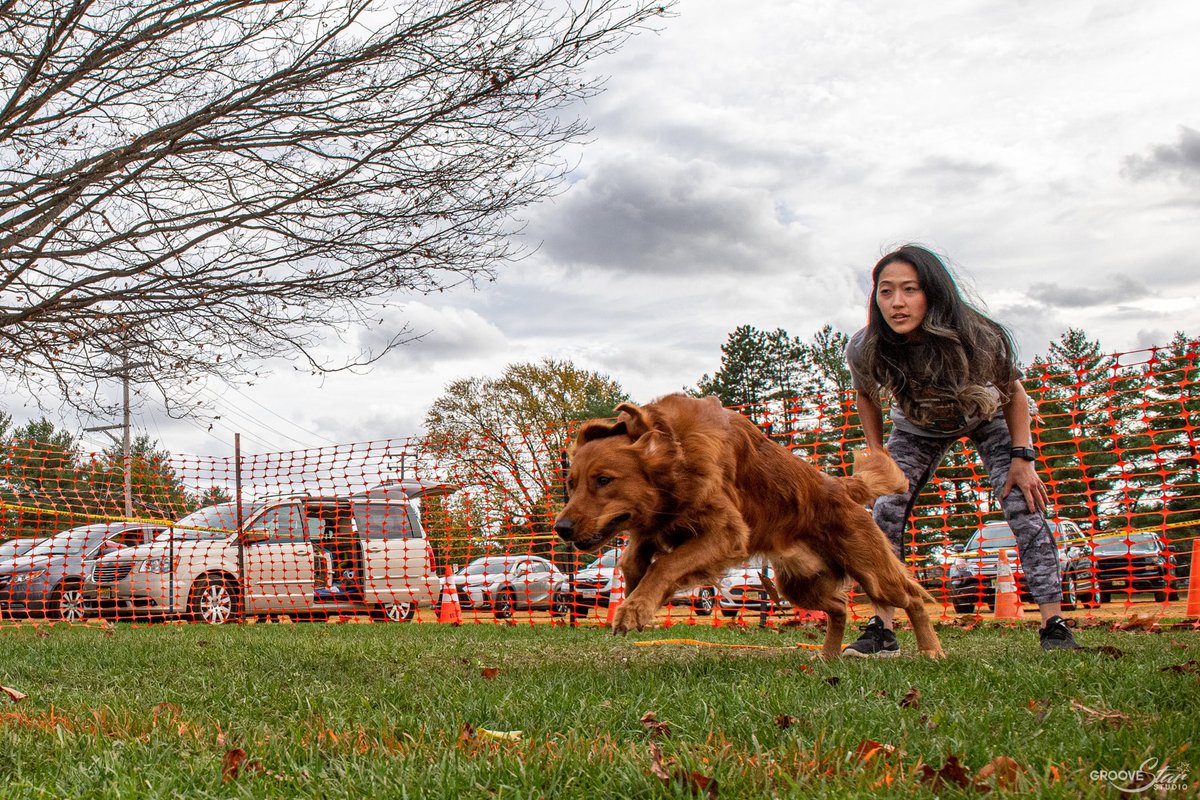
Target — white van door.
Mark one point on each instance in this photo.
(278, 555)
(396, 561)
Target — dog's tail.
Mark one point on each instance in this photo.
(875, 474)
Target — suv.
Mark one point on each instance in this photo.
(48, 578)
(1132, 561)
(302, 554)
(592, 588)
(972, 577)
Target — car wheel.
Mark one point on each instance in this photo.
(69, 604)
(706, 600)
(581, 610)
(213, 600)
(397, 612)
(505, 604)
(729, 612)
(963, 606)
(560, 605)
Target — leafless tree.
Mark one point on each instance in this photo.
(193, 185)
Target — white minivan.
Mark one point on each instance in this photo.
(302, 555)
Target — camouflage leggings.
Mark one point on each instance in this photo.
(919, 457)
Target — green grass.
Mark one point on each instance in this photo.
(380, 711)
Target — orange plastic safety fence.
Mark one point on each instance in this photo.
(462, 530)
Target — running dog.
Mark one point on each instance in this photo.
(698, 488)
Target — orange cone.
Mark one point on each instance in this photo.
(449, 610)
(1008, 603)
(1193, 597)
(615, 599)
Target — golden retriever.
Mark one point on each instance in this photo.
(698, 488)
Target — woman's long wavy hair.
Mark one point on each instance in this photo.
(960, 355)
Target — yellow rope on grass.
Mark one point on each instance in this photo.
(700, 643)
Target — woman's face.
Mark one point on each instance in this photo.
(900, 298)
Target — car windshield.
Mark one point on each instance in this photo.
(67, 543)
(992, 537)
(16, 547)
(487, 566)
(1128, 543)
(212, 522)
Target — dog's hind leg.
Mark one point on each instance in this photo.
(819, 591)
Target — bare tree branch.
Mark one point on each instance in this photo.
(195, 185)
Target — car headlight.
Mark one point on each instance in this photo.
(1076, 552)
(161, 565)
(29, 577)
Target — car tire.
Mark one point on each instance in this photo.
(504, 604)
(560, 605)
(396, 612)
(581, 610)
(213, 600)
(706, 600)
(69, 604)
(729, 612)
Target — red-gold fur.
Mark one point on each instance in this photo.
(698, 488)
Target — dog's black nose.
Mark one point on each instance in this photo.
(565, 528)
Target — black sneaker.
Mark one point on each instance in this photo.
(1057, 634)
(876, 640)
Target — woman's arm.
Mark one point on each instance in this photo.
(870, 414)
(1021, 473)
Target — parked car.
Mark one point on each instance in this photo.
(48, 578)
(744, 588)
(300, 555)
(972, 578)
(19, 546)
(592, 588)
(1131, 561)
(504, 584)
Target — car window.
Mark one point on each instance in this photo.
(383, 521)
(74, 542)
(210, 522)
(491, 565)
(281, 524)
(992, 537)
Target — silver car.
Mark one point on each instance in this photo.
(593, 587)
(504, 584)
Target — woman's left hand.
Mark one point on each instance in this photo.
(1023, 476)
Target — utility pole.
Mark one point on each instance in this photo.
(124, 441)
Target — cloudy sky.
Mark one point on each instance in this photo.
(751, 161)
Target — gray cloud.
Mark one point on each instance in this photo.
(444, 333)
(1179, 160)
(1082, 295)
(662, 216)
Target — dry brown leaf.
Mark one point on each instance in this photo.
(231, 764)
(951, 772)
(656, 728)
(656, 763)
(13, 694)
(1002, 772)
(785, 721)
(697, 783)
(1137, 622)
(489, 672)
(1187, 666)
(911, 699)
(1105, 650)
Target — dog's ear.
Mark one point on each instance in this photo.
(600, 429)
(636, 419)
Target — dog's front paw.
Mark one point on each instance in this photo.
(632, 616)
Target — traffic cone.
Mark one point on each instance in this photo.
(615, 599)
(1008, 603)
(1193, 597)
(449, 610)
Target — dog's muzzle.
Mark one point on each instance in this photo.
(565, 528)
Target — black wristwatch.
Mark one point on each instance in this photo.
(1027, 453)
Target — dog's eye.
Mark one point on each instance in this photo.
(603, 480)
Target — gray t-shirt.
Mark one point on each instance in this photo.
(950, 425)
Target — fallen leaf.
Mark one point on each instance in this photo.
(489, 672)
(1105, 650)
(234, 762)
(1187, 666)
(696, 783)
(1040, 707)
(651, 723)
(951, 772)
(656, 763)
(1001, 771)
(869, 748)
(1136, 622)
(911, 699)
(833, 680)
(499, 736)
(785, 721)
(13, 694)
